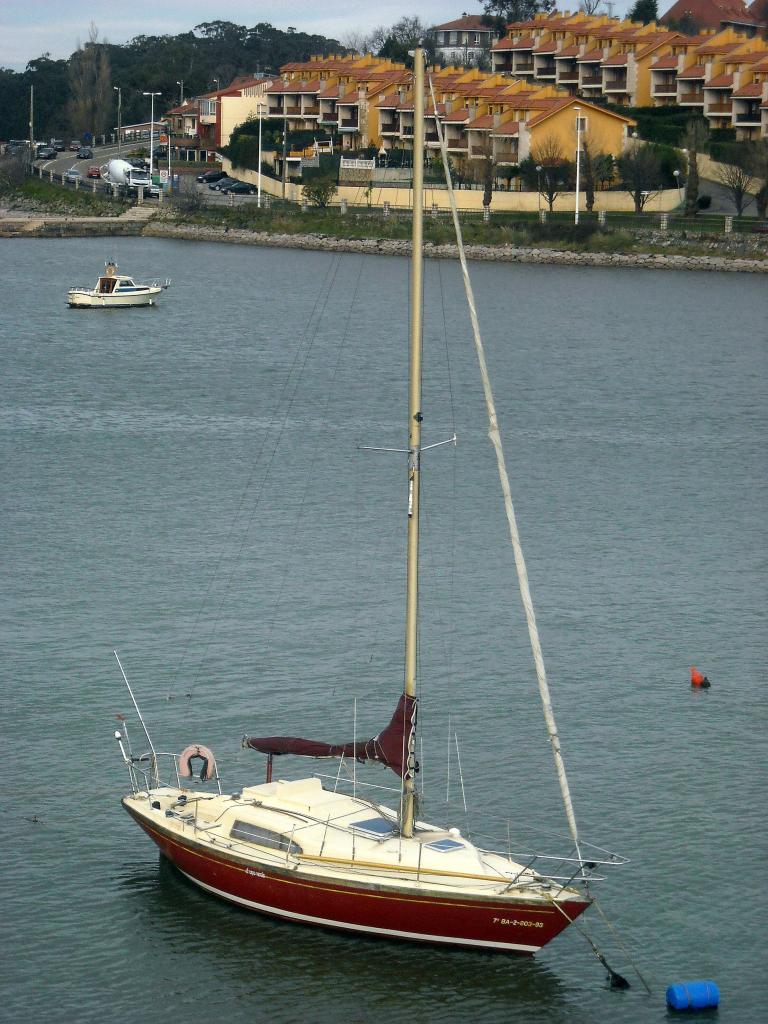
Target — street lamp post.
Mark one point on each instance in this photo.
(180, 83)
(539, 169)
(119, 92)
(151, 129)
(258, 188)
(676, 174)
(578, 162)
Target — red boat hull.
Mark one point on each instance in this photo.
(492, 925)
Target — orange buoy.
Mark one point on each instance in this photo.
(698, 678)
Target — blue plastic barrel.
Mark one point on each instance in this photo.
(693, 995)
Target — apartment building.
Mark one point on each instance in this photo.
(367, 102)
(464, 41)
(720, 74)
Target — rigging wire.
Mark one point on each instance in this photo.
(323, 416)
(495, 437)
(299, 360)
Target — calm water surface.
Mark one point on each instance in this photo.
(184, 484)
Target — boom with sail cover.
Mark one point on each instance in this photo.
(389, 747)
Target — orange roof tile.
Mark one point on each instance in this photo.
(695, 71)
(509, 128)
(719, 82)
(594, 56)
(664, 64)
(753, 90)
(618, 60)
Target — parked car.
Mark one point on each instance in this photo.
(73, 175)
(74, 145)
(94, 171)
(239, 188)
(85, 153)
(222, 183)
(45, 153)
(209, 177)
(58, 145)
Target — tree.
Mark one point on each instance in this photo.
(695, 140)
(758, 165)
(501, 13)
(734, 175)
(547, 171)
(590, 6)
(405, 35)
(645, 11)
(640, 172)
(90, 86)
(686, 25)
(592, 165)
(319, 191)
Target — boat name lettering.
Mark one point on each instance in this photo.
(256, 874)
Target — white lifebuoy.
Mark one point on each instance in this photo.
(208, 771)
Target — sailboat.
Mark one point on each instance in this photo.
(307, 853)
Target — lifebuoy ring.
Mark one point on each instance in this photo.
(195, 750)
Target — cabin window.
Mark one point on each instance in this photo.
(263, 837)
(445, 845)
(377, 828)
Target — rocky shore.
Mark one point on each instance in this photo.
(732, 253)
(499, 253)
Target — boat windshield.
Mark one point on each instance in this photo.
(106, 285)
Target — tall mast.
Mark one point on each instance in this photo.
(414, 432)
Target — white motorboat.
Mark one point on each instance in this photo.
(113, 290)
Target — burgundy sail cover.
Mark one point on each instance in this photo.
(389, 747)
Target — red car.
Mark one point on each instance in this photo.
(93, 172)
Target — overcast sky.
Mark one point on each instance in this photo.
(29, 29)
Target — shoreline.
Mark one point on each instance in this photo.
(489, 253)
(42, 226)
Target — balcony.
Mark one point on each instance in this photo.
(347, 122)
(390, 129)
(568, 78)
(592, 82)
(547, 70)
(523, 69)
(751, 117)
(719, 108)
(666, 88)
(506, 156)
(615, 84)
(293, 111)
(692, 97)
(310, 111)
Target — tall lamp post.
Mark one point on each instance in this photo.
(180, 83)
(676, 174)
(119, 92)
(539, 169)
(258, 187)
(151, 129)
(578, 162)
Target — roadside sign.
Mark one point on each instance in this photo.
(163, 140)
(163, 175)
